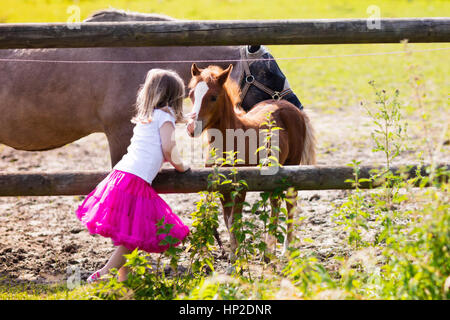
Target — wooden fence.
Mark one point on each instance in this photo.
(199, 33)
(170, 181)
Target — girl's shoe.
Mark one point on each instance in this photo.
(94, 277)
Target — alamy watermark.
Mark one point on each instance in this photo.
(74, 19)
(374, 20)
(249, 145)
(73, 277)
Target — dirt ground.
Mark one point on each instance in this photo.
(42, 241)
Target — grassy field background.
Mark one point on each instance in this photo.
(55, 10)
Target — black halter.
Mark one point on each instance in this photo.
(250, 80)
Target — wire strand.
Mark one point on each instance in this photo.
(215, 60)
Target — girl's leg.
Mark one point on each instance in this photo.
(117, 260)
(123, 274)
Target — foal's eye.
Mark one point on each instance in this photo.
(213, 98)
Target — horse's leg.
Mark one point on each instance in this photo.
(291, 205)
(271, 241)
(119, 136)
(219, 242)
(227, 217)
(229, 213)
(237, 210)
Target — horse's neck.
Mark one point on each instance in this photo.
(229, 119)
(225, 141)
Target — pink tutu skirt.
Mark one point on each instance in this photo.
(127, 209)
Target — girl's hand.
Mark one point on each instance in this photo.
(191, 123)
(185, 168)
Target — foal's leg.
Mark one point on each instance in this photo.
(229, 213)
(271, 241)
(291, 205)
(219, 242)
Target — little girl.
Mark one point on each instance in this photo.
(124, 206)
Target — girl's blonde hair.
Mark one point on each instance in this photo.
(161, 88)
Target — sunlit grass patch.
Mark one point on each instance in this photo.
(31, 291)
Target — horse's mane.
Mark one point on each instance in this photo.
(234, 92)
(121, 15)
(230, 86)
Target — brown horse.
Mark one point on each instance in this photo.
(45, 105)
(215, 97)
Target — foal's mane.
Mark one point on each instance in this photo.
(231, 87)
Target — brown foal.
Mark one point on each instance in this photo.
(215, 97)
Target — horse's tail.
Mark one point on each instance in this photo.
(309, 144)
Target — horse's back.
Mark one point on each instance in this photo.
(112, 15)
(277, 108)
(45, 105)
(293, 138)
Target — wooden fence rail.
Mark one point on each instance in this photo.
(238, 32)
(200, 33)
(169, 181)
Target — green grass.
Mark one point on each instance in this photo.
(33, 292)
(56, 10)
(54, 291)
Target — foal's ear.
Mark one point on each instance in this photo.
(195, 71)
(222, 78)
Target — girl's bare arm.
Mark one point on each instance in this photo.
(169, 147)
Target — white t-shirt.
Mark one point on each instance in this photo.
(144, 156)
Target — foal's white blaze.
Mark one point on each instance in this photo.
(199, 93)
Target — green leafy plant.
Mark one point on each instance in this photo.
(201, 239)
(268, 149)
(353, 214)
(389, 138)
(205, 221)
